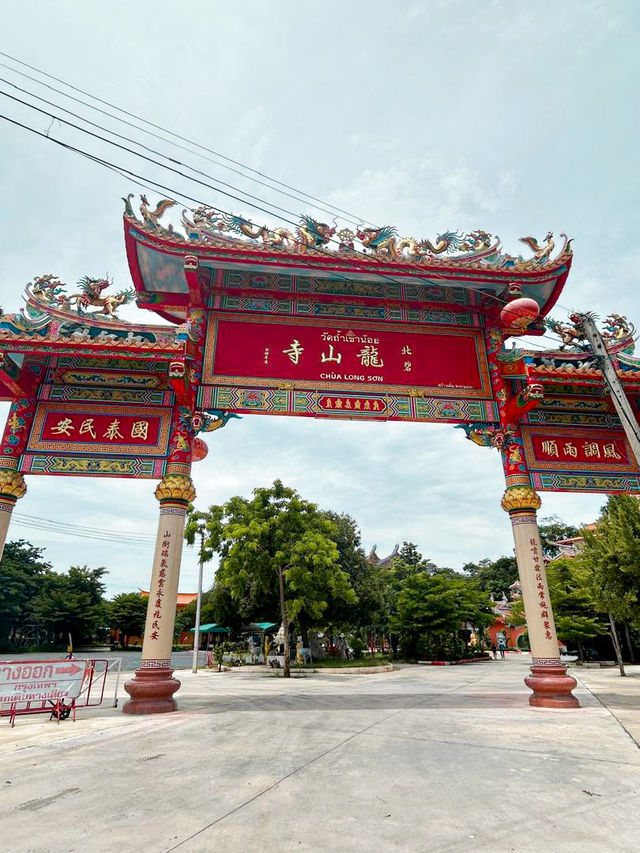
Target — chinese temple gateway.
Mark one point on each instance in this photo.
(360, 324)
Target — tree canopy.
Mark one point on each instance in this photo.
(278, 551)
(127, 613)
(495, 577)
(430, 609)
(22, 570)
(552, 529)
(71, 603)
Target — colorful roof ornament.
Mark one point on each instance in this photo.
(208, 226)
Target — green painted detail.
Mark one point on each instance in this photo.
(113, 364)
(114, 395)
(586, 482)
(357, 312)
(445, 318)
(539, 416)
(94, 466)
(401, 406)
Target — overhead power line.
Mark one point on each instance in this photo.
(353, 217)
(123, 171)
(307, 196)
(155, 186)
(50, 526)
(157, 163)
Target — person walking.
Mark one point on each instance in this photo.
(494, 650)
(502, 647)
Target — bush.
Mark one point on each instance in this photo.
(358, 647)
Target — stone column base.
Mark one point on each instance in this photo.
(551, 687)
(151, 690)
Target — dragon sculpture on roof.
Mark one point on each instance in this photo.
(207, 225)
(50, 290)
(617, 332)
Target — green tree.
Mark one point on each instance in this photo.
(575, 613)
(367, 612)
(611, 559)
(494, 576)
(195, 530)
(410, 556)
(430, 609)
(181, 623)
(22, 571)
(278, 541)
(552, 529)
(127, 613)
(71, 603)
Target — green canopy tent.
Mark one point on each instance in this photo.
(211, 628)
(260, 626)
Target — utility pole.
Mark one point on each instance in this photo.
(618, 396)
(196, 633)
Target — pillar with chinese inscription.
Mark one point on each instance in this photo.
(549, 681)
(152, 688)
(14, 439)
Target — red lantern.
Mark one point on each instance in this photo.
(199, 450)
(519, 313)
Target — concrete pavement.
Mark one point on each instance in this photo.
(419, 759)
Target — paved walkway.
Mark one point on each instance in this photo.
(419, 759)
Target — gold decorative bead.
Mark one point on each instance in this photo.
(12, 484)
(520, 497)
(175, 487)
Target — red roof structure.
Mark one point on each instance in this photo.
(184, 598)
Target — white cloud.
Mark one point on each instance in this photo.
(446, 115)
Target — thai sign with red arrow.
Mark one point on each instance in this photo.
(39, 681)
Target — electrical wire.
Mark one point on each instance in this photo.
(81, 527)
(149, 183)
(293, 223)
(123, 171)
(188, 177)
(50, 526)
(143, 130)
(335, 208)
(155, 162)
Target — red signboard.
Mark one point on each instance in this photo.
(123, 429)
(341, 404)
(577, 449)
(93, 428)
(580, 450)
(580, 459)
(313, 354)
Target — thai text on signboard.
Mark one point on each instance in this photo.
(38, 681)
(316, 355)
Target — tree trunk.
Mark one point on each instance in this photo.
(616, 643)
(304, 631)
(394, 645)
(632, 657)
(580, 651)
(285, 625)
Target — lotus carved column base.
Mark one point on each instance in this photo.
(551, 687)
(151, 691)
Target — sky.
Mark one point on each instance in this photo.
(510, 116)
